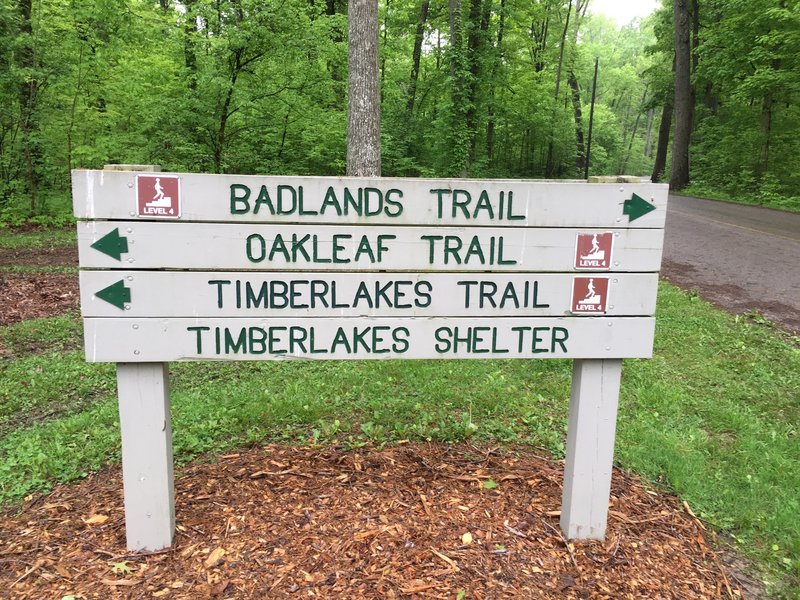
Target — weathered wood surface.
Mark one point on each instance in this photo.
(221, 246)
(590, 448)
(325, 294)
(204, 197)
(168, 339)
(147, 471)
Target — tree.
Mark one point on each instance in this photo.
(683, 97)
(363, 99)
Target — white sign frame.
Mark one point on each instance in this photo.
(128, 260)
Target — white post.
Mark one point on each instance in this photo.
(144, 416)
(590, 448)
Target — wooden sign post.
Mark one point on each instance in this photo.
(233, 267)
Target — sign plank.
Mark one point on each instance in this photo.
(213, 246)
(374, 201)
(168, 339)
(325, 294)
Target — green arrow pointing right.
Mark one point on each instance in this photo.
(636, 207)
(112, 244)
(116, 294)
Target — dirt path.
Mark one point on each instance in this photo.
(741, 258)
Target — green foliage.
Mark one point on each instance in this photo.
(250, 87)
(746, 79)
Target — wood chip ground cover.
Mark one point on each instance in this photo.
(26, 296)
(410, 521)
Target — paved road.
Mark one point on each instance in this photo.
(739, 257)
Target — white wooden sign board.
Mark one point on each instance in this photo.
(456, 202)
(230, 267)
(326, 294)
(221, 246)
(354, 338)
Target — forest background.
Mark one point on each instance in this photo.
(469, 88)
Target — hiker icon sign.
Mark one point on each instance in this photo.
(593, 250)
(589, 295)
(158, 196)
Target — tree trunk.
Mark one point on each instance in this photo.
(27, 94)
(385, 46)
(225, 112)
(478, 25)
(550, 170)
(189, 52)
(767, 107)
(633, 134)
(683, 97)
(580, 157)
(417, 55)
(648, 140)
(490, 120)
(459, 75)
(539, 35)
(73, 110)
(663, 142)
(363, 90)
(561, 51)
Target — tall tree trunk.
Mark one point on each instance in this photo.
(561, 51)
(767, 107)
(550, 162)
(417, 55)
(490, 121)
(459, 75)
(28, 94)
(683, 97)
(633, 134)
(580, 157)
(189, 51)
(479, 14)
(539, 35)
(363, 90)
(224, 114)
(385, 46)
(662, 145)
(73, 110)
(648, 140)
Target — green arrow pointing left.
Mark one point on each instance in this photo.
(112, 244)
(636, 207)
(116, 294)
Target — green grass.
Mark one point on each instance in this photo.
(713, 416)
(38, 269)
(775, 201)
(37, 238)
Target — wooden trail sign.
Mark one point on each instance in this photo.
(230, 267)
(118, 293)
(223, 246)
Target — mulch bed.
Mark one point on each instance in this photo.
(26, 296)
(410, 521)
